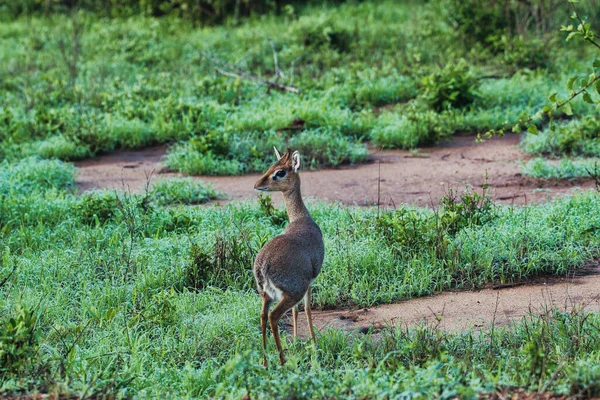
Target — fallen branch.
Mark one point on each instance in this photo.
(233, 72)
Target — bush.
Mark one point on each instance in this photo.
(211, 11)
(414, 231)
(322, 33)
(98, 206)
(454, 86)
(575, 137)
(409, 127)
(565, 168)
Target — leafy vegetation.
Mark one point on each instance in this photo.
(107, 294)
(182, 191)
(115, 293)
(75, 85)
(564, 168)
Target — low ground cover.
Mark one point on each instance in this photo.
(115, 293)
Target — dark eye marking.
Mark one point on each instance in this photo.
(280, 174)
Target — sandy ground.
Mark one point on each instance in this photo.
(456, 311)
(402, 177)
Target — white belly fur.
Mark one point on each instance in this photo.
(273, 292)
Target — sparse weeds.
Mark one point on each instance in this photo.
(182, 191)
(564, 168)
(19, 342)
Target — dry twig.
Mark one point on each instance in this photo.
(232, 72)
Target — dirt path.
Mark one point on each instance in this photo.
(404, 177)
(456, 311)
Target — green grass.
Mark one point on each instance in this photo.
(148, 296)
(115, 293)
(182, 191)
(142, 81)
(565, 168)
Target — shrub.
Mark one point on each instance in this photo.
(575, 137)
(278, 217)
(98, 206)
(227, 264)
(322, 33)
(409, 127)
(324, 147)
(565, 168)
(454, 86)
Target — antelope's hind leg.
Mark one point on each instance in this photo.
(274, 316)
(264, 315)
(295, 319)
(308, 314)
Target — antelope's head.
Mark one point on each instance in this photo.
(281, 176)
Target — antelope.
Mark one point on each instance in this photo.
(286, 266)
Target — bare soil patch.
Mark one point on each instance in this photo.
(456, 311)
(401, 176)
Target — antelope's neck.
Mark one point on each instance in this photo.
(294, 205)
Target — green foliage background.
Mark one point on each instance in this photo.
(109, 294)
(395, 75)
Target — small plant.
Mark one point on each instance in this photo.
(470, 209)
(34, 175)
(322, 33)
(224, 265)
(278, 217)
(19, 340)
(182, 191)
(594, 173)
(454, 86)
(97, 207)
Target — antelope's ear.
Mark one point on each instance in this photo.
(296, 161)
(277, 153)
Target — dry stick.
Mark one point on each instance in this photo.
(552, 378)
(278, 72)
(8, 276)
(292, 71)
(378, 188)
(494, 321)
(237, 73)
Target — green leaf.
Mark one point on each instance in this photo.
(596, 63)
(552, 97)
(532, 129)
(598, 86)
(572, 34)
(587, 98)
(567, 109)
(571, 82)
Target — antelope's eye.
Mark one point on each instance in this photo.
(281, 173)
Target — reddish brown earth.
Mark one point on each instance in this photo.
(402, 177)
(456, 311)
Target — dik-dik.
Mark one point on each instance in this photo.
(286, 266)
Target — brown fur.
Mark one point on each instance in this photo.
(286, 266)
